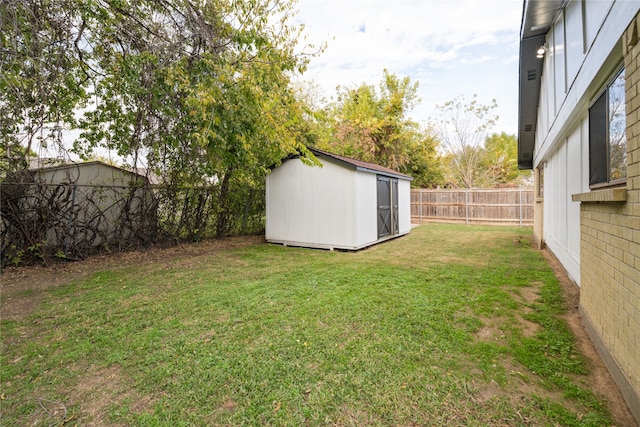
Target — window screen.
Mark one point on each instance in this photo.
(607, 135)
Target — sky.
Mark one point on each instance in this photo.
(450, 47)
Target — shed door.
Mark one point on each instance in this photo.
(387, 206)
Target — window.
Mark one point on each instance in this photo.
(607, 138)
(540, 182)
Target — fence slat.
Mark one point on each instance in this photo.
(506, 206)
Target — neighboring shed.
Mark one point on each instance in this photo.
(96, 204)
(88, 173)
(345, 204)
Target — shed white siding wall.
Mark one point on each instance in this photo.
(404, 206)
(311, 206)
(582, 54)
(366, 208)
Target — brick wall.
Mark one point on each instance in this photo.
(610, 252)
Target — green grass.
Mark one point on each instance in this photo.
(423, 330)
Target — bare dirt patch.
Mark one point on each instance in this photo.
(531, 294)
(529, 329)
(489, 333)
(599, 376)
(491, 330)
(97, 389)
(229, 405)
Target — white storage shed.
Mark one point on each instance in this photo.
(345, 204)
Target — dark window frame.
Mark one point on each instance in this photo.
(540, 182)
(599, 138)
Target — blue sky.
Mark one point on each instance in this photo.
(451, 47)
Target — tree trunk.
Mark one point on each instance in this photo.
(223, 203)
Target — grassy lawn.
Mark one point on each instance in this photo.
(451, 325)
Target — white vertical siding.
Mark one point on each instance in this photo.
(366, 206)
(543, 124)
(583, 47)
(576, 178)
(566, 173)
(594, 13)
(558, 59)
(555, 194)
(574, 39)
(562, 216)
(404, 206)
(311, 206)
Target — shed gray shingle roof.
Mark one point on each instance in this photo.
(360, 165)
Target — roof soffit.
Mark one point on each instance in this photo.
(537, 18)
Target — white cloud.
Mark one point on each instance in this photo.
(451, 47)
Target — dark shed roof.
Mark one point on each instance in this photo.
(360, 165)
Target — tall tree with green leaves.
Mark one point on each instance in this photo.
(501, 161)
(425, 164)
(198, 91)
(164, 80)
(373, 125)
(197, 82)
(41, 81)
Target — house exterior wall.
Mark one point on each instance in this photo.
(538, 208)
(572, 75)
(594, 233)
(610, 293)
(562, 216)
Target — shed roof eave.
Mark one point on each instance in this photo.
(392, 175)
(76, 165)
(353, 164)
(361, 165)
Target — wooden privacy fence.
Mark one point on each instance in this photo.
(505, 206)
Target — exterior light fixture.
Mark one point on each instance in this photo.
(541, 51)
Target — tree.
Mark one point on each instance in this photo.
(425, 164)
(197, 91)
(372, 125)
(501, 161)
(41, 82)
(462, 128)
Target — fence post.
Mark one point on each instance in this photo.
(466, 205)
(420, 206)
(520, 204)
